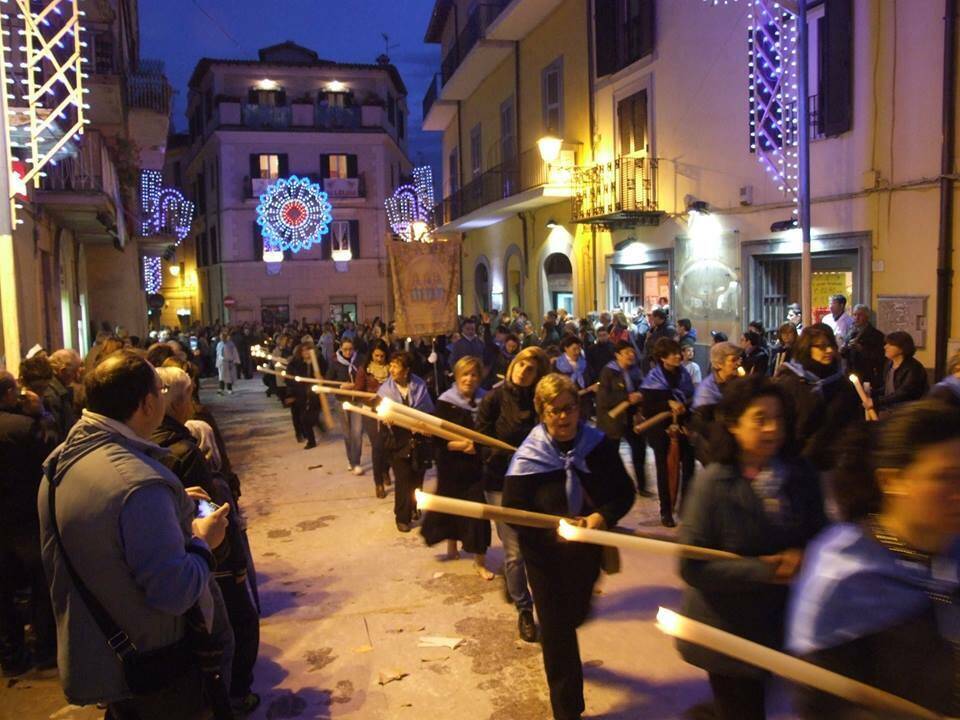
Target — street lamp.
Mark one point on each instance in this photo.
(549, 146)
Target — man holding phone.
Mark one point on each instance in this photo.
(123, 525)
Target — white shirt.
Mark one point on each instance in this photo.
(841, 326)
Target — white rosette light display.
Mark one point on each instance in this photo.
(293, 214)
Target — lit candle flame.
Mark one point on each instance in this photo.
(741, 372)
(419, 497)
(854, 379)
(668, 621)
(347, 405)
(566, 530)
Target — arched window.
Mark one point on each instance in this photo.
(481, 283)
(559, 274)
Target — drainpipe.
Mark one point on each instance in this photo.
(523, 222)
(945, 246)
(591, 101)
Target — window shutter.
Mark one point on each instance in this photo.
(283, 165)
(351, 166)
(640, 121)
(254, 167)
(324, 166)
(257, 242)
(605, 35)
(281, 98)
(252, 96)
(648, 26)
(325, 246)
(355, 238)
(836, 89)
(625, 123)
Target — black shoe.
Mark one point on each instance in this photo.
(643, 492)
(417, 515)
(381, 491)
(527, 627)
(387, 482)
(310, 444)
(667, 520)
(299, 438)
(404, 527)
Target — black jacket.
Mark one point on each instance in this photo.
(666, 330)
(612, 392)
(506, 413)
(909, 382)
(757, 362)
(23, 448)
(598, 355)
(864, 354)
(725, 513)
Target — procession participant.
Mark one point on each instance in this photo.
(756, 359)
(667, 387)
(724, 363)
(507, 413)
(687, 347)
(824, 399)
(228, 359)
(344, 369)
(620, 382)
(948, 389)
(660, 327)
(564, 467)
(469, 343)
(459, 470)
(758, 501)
(787, 337)
(864, 350)
(369, 379)
(600, 352)
(503, 355)
(877, 598)
(904, 377)
(795, 316)
(573, 364)
(305, 405)
(838, 319)
(406, 451)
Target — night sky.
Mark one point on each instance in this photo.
(180, 32)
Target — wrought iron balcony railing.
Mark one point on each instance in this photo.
(624, 189)
(474, 31)
(431, 96)
(148, 88)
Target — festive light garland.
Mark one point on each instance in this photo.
(165, 210)
(152, 274)
(293, 214)
(410, 207)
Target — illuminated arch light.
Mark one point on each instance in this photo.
(152, 274)
(165, 210)
(293, 214)
(410, 208)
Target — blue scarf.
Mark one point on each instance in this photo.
(351, 364)
(951, 383)
(657, 379)
(708, 392)
(419, 398)
(578, 373)
(818, 383)
(540, 454)
(851, 586)
(453, 396)
(631, 376)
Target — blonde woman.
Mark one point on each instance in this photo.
(459, 471)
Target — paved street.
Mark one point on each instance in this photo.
(346, 600)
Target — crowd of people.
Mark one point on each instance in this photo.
(845, 530)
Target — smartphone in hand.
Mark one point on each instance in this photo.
(206, 508)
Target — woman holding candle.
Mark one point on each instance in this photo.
(877, 598)
(757, 501)
(668, 387)
(459, 471)
(565, 467)
(507, 413)
(405, 449)
(824, 399)
(344, 369)
(369, 379)
(904, 377)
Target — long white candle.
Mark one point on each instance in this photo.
(481, 511)
(327, 390)
(388, 405)
(787, 666)
(624, 541)
(864, 399)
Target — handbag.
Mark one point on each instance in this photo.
(145, 673)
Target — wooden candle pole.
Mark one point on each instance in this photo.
(467, 433)
(481, 511)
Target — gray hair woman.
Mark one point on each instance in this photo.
(565, 467)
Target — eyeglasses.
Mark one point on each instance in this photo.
(823, 346)
(164, 389)
(565, 410)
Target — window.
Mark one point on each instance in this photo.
(338, 165)
(200, 250)
(257, 242)
(632, 124)
(624, 32)
(476, 152)
(551, 97)
(343, 234)
(336, 99)
(214, 247)
(267, 166)
(391, 109)
(99, 50)
(401, 124)
(833, 106)
(270, 98)
(508, 135)
(200, 191)
(453, 170)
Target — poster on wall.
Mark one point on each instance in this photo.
(825, 284)
(426, 280)
(903, 312)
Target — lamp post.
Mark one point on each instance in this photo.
(803, 161)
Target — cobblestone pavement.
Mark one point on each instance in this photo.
(346, 599)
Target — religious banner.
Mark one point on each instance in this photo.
(426, 280)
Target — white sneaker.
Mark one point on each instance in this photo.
(357, 470)
(349, 468)
(229, 392)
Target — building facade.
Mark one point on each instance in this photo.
(291, 113)
(668, 99)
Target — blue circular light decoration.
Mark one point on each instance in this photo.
(293, 214)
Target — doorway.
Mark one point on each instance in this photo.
(636, 289)
(559, 274)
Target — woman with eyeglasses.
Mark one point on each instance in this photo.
(877, 600)
(824, 399)
(565, 467)
(756, 500)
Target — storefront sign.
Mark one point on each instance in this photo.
(426, 280)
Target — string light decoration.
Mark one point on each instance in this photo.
(165, 211)
(773, 85)
(152, 274)
(410, 207)
(293, 214)
(46, 65)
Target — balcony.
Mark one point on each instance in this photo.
(148, 98)
(473, 55)
(82, 193)
(148, 89)
(519, 17)
(338, 118)
(437, 114)
(336, 188)
(266, 117)
(620, 193)
(517, 184)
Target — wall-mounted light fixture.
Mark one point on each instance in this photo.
(549, 146)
